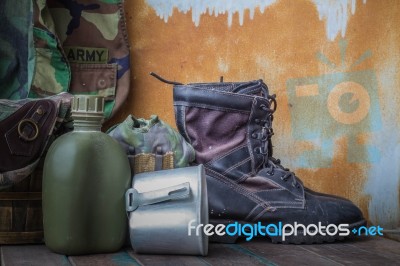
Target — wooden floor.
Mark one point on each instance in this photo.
(362, 251)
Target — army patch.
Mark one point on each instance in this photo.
(86, 55)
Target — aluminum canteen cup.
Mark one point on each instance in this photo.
(161, 205)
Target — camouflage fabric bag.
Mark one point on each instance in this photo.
(152, 144)
(79, 46)
(16, 49)
(27, 127)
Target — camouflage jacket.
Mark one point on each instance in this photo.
(53, 46)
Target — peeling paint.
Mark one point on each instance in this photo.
(164, 9)
(384, 177)
(334, 12)
(336, 15)
(348, 105)
(223, 66)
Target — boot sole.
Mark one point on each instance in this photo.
(297, 240)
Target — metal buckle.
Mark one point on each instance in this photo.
(34, 126)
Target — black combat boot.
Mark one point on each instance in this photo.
(230, 127)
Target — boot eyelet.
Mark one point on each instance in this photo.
(263, 107)
(254, 136)
(270, 173)
(284, 179)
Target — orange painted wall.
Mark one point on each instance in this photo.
(307, 65)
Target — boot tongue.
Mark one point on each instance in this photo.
(256, 88)
(253, 88)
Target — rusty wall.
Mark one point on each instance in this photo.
(334, 66)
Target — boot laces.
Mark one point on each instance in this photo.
(271, 163)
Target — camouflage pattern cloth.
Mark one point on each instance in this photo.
(79, 46)
(52, 71)
(16, 49)
(95, 42)
(143, 139)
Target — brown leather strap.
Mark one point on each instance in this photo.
(20, 195)
(158, 159)
(148, 162)
(9, 178)
(21, 237)
(23, 138)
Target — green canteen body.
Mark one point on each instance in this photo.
(86, 174)
(85, 177)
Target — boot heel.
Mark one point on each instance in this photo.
(226, 239)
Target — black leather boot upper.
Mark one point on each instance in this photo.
(230, 127)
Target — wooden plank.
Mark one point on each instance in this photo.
(34, 216)
(121, 258)
(21, 196)
(384, 247)
(21, 212)
(33, 237)
(281, 254)
(361, 251)
(167, 260)
(351, 254)
(32, 255)
(393, 236)
(218, 254)
(6, 216)
(234, 254)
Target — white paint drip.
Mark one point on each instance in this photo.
(336, 14)
(164, 9)
(223, 66)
